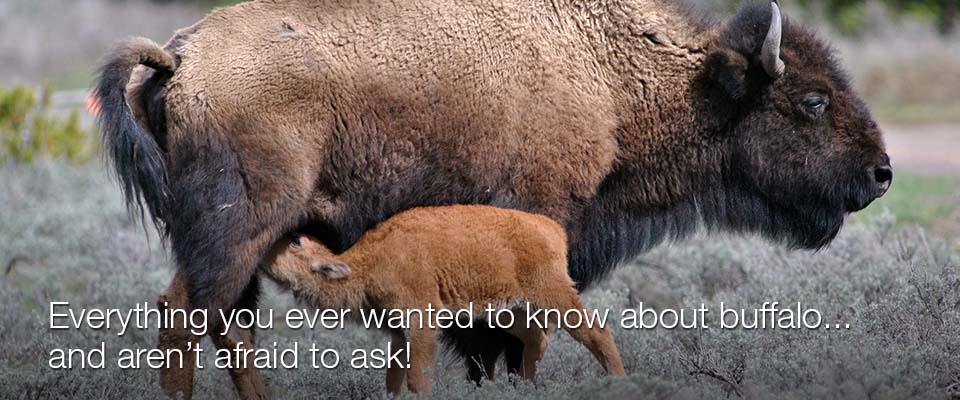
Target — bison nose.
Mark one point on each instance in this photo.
(883, 175)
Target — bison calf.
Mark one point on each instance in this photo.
(447, 258)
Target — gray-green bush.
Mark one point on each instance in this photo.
(71, 240)
(29, 130)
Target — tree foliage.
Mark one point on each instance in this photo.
(847, 15)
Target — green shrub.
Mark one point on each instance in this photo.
(28, 129)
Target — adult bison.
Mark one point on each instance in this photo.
(627, 121)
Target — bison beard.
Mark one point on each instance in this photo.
(676, 132)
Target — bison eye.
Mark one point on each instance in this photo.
(815, 104)
(296, 241)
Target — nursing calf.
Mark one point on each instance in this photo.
(447, 258)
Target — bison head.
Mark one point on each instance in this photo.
(804, 150)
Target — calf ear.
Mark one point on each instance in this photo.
(728, 69)
(331, 269)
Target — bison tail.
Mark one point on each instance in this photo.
(137, 157)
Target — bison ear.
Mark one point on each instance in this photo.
(330, 269)
(728, 68)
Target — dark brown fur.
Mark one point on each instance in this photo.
(627, 121)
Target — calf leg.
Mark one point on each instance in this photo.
(396, 373)
(598, 340)
(422, 349)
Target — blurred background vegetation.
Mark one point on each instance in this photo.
(28, 128)
(847, 15)
(853, 17)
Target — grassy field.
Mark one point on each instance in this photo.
(897, 287)
(931, 202)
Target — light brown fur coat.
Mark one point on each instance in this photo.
(447, 258)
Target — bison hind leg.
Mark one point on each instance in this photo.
(226, 221)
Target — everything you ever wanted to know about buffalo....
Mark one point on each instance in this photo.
(62, 316)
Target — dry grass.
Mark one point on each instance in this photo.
(899, 291)
(906, 71)
(62, 40)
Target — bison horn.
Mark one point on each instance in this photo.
(770, 52)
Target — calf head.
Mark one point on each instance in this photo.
(300, 258)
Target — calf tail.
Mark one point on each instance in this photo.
(137, 158)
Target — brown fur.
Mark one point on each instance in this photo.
(628, 122)
(447, 257)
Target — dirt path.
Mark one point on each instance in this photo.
(929, 149)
